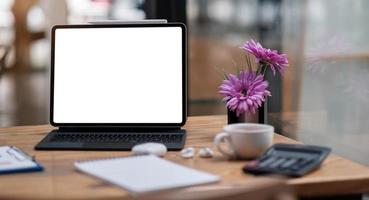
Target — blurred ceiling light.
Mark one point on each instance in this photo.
(127, 10)
(6, 4)
(245, 12)
(39, 54)
(86, 10)
(6, 19)
(192, 10)
(316, 10)
(268, 14)
(129, 14)
(36, 19)
(220, 10)
(6, 16)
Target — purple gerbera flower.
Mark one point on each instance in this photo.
(266, 57)
(245, 92)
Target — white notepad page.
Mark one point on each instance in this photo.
(148, 173)
(11, 159)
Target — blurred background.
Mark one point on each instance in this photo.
(322, 99)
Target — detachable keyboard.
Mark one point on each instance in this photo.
(68, 140)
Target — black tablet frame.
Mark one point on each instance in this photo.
(123, 125)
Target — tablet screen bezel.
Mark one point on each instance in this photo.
(140, 125)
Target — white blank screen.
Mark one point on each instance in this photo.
(118, 75)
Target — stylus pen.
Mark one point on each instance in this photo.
(146, 21)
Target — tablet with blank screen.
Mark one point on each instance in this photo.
(118, 75)
(118, 85)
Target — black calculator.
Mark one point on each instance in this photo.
(288, 159)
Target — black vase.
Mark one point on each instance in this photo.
(260, 116)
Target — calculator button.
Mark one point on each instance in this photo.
(277, 163)
(305, 162)
(288, 163)
(301, 164)
(267, 162)
(263, 158)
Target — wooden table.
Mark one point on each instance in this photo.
(337, 176)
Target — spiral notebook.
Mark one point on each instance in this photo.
(143, 174)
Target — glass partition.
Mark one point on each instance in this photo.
(323, 97)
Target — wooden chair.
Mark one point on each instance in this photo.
(262, 189)
(23, 37)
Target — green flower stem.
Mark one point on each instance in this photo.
(260, 68)
(265, 69)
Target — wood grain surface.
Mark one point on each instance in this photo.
(60, 180)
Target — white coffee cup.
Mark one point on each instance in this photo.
(244, 140)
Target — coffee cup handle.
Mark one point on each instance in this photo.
(224, 137)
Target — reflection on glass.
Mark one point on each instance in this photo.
(324, 95)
